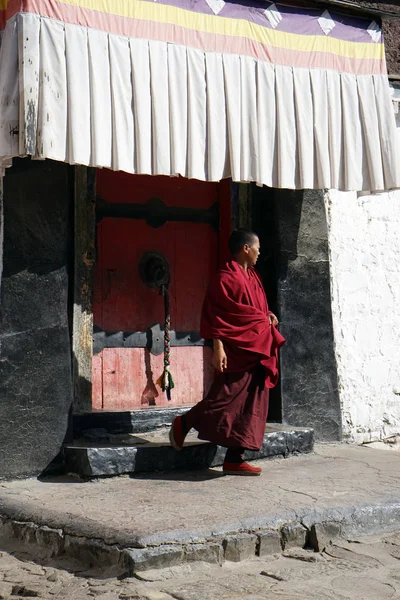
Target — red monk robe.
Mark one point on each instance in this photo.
(235, 311)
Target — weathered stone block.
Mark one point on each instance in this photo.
(91, 553)
(24, 532)
(269, 542)
(300, 441)
(50, 539)
(294, 535)
(210, 553)
(6, 528)
(239, 547)
(142, 559)
(322, 534)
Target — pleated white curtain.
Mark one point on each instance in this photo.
(88, 97)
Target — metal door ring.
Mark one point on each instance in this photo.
(154, 269)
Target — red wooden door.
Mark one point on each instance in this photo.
(124, 377)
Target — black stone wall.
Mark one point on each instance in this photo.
(309, 388)
(35, 351)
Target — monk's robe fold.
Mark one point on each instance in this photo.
(235, 310)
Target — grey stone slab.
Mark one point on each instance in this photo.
(301, 440)
(269, 542)
(91, 553)
(219, 456)
(98, 461)
(50, 539)
(135, 421)
(19, 530)
(294, 535)
(136, 559)
(210, 553)
(323, 534)
(240, 547)
(373, 518)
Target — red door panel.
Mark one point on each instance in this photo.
(123, 302)
(129, 376)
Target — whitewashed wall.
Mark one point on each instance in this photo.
(364, 243)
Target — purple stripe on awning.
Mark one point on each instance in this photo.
(296, 20)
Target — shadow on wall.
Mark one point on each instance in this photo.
(150, 392)
(273, 262)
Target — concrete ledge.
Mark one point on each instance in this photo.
(238, 546)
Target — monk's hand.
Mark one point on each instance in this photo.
(219, 360)
(273, 319)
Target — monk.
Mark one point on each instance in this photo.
(246, 341)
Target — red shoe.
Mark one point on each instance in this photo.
(176, 435)
(242, 468)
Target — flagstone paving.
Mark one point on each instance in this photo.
(366, 568)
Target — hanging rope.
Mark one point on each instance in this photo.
(165, 380)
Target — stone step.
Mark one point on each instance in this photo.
(100, 453)
(135, 421)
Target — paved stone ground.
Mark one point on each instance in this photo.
(362, 569)
(167, 519)
(193, 506)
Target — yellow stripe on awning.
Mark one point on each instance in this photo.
(162, 13)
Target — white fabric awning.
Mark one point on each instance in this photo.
(207, 89)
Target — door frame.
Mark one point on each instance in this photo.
(239, 215)
(83, 286)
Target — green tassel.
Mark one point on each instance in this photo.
(165, 381)
(171, 383)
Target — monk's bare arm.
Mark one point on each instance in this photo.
(219, 357)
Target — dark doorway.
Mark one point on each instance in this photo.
(263, 223)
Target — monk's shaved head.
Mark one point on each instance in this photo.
(239, 238)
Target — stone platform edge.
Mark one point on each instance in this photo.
(313, 530)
